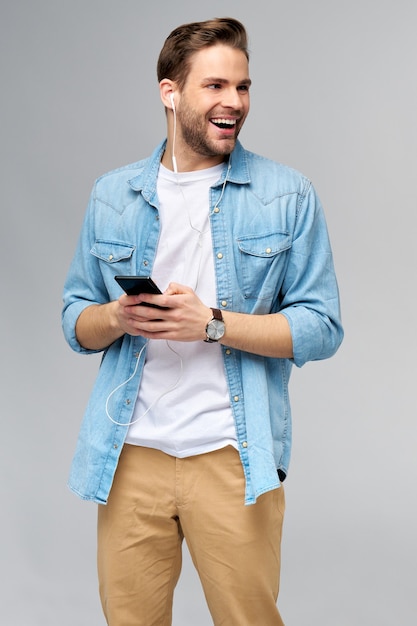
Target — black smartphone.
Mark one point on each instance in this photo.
(132, 285)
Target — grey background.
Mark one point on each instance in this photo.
(334, 95)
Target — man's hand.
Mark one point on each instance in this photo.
(183, 316)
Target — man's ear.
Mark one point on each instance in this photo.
(167, 88)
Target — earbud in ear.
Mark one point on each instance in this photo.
(171, 97)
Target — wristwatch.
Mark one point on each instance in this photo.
(216, 328)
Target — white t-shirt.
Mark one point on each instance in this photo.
(183, 405)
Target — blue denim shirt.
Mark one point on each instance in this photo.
(271, 253)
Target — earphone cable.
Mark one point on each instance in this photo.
(174, 386)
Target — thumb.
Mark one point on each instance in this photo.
(175, 289)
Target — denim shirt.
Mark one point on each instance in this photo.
(271, 254)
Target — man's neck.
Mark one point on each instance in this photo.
(186, 162)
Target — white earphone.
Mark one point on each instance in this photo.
(174, 160)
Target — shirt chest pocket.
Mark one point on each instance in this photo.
(116, 256)
(262, 261)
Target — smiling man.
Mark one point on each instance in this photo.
(188, 430)
(212, 105)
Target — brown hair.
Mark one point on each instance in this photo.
(184, 41)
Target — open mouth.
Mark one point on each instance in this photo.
(224, 124)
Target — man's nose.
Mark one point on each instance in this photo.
(233, 99)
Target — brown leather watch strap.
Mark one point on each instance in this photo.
(217, 314)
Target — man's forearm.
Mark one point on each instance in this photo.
(266, 335)
(97, 326)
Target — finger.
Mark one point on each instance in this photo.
(175, 289)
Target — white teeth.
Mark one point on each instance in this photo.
(222, 121)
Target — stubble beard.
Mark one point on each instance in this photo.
(194, 134)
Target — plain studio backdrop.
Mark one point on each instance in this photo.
(334, 95)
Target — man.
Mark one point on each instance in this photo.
(188, 429)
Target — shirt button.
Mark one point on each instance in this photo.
(115, 446)
(224, 303)
(236, 398)
(268, 250)
(216, 209)
(245, 444)
(228, 351)
(219, 255)
(111, 257)
(128, 401)
(145, 263)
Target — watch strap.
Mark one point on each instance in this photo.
(217, 314)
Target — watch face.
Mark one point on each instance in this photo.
(215, 329)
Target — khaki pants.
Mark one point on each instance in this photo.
(157, 500)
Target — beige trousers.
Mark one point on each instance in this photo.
(157, 500)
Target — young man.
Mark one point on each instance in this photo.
(188, 429)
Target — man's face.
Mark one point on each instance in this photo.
(214, 102)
